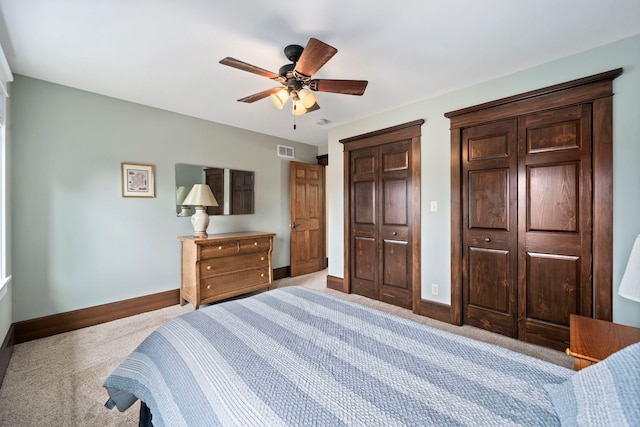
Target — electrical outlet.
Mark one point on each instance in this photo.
(434, 206)
(434, 289)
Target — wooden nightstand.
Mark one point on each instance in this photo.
(592, 340)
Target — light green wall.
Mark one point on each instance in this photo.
(435, 160)
(76, 242)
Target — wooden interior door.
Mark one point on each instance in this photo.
(490, 230)
(564, 204)
(306, 199)
(364, 223)
(381, 258)
(382, 214)
(555, 196)
(395, 197)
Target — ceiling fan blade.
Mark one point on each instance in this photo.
(314, 56)
(236, 63)
(348, 87)
(260, 95)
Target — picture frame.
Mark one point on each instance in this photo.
(137, 180)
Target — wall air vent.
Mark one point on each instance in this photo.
(286, 152)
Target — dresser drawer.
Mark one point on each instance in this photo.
(215, 266)
(259, 244)
(232, 282)
(219, 249)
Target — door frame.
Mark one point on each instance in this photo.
(407, 131)
(597, 90)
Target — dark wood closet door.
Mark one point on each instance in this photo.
(564, 208)
(490, 231)
(382, 215)
(364, 221)
(382, 259)
(394, 195)
(555, 222)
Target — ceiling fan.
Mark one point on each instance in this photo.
(295, 78)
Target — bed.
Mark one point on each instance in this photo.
(298, 357)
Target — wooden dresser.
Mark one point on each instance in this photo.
(221, 266)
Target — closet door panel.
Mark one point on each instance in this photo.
(395, 264)
(382, 214)
(555, 223)
(553, 197)
(489, 199)
(364, 276)
(365, 196)
(489, 279)
(395, 197)
(563, 272)
(394, 184)
(489, 259)
(364, 219)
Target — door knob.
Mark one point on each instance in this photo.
(294, 224)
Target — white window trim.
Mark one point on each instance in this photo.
(5, 77)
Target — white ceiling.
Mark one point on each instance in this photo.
(165, 53)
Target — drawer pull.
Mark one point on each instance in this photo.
(208, 286)
(219, 248)
(255, 243)
(208, 267)
(262, 275)
(261, 258)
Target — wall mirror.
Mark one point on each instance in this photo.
(233, 189)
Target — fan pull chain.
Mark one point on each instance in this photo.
(294, 116)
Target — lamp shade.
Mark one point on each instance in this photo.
(298, 107)
(307, 97)
(200, 195)
(630, 285)
(279, 98)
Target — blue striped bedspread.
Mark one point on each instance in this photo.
(299, 357)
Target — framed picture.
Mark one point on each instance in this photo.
(137, 180)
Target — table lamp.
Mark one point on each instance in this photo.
(200, 196)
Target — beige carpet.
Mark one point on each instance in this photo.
(57, 381)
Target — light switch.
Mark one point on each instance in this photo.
(434, 206)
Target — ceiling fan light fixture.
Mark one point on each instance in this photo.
(279, 98)
(298, 108)
(307, 97)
